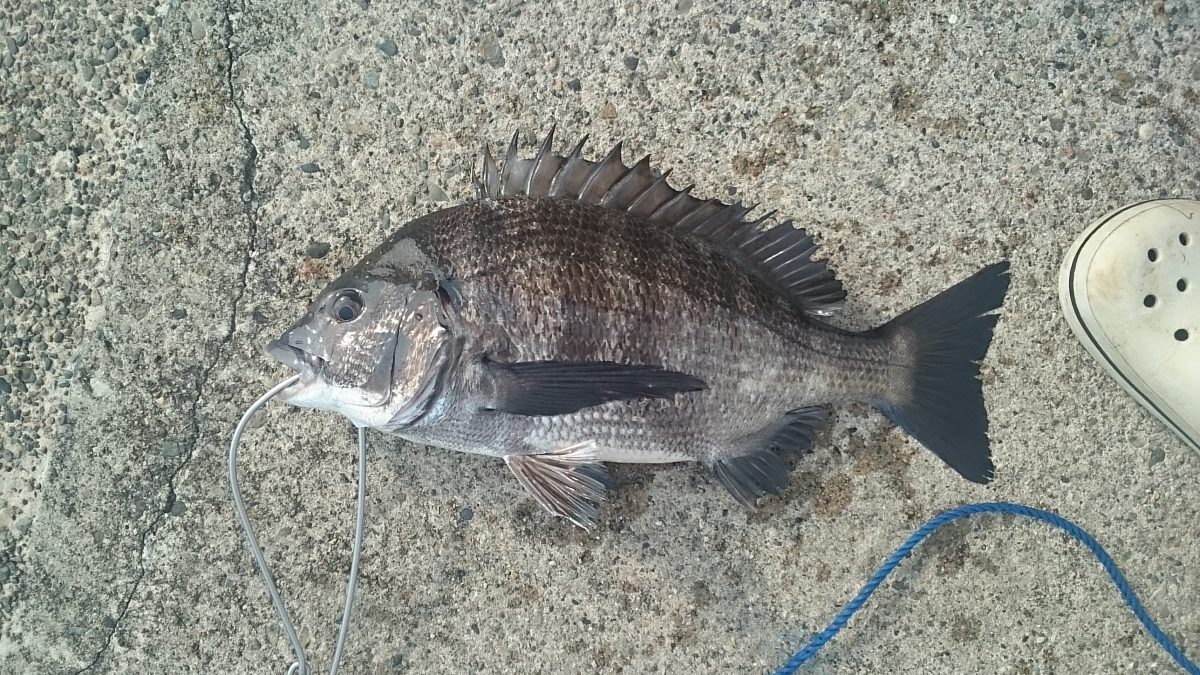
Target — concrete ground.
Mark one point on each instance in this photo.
(179, 179)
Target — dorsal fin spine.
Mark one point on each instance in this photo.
(577, 151)
(791, 253)
(779, 254)
(702, 228)
(510, 163)
(598, 170)
(683, 194)
(592, 174)
(615, 191)
(635, 205)
(643, 166)
(769, 215)
(543, 152)
(558, 186)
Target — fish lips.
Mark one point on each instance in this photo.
(300, 361)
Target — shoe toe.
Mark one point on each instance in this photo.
(1127, 289)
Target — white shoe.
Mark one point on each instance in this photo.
(1130, 289)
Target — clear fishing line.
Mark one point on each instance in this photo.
(300, 665)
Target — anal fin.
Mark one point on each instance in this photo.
(799, 430)
(764, 471)
(749, 477)
(568, 483)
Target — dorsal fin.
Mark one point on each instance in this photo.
(777, 252)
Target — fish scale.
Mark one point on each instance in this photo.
(585, 312)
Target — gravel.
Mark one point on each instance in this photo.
(317, 249)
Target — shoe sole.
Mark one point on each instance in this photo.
(1125, 289)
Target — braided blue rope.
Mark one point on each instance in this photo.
(893, 561)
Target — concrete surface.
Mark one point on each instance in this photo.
(173, 172)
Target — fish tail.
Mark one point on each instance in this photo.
(946, 337)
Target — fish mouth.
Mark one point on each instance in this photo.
(303, 363)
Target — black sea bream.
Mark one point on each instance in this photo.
(584, 312)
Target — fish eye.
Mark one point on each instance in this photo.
(347, 306)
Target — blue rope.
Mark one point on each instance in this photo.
(839, 622)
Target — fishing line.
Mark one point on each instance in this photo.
(839, 622)
(300, 665)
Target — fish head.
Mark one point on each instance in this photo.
(370, 346)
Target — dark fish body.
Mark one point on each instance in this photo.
(585, 312)
(556, 280)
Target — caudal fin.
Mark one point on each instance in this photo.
(950, 334)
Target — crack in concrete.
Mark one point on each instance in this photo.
(249, 198)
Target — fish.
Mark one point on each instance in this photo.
(581, 312)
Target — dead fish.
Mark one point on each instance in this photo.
(579, 312)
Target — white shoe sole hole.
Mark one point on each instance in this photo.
(1185, 239)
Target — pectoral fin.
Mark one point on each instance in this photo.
(568, 483)
(559, 388)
